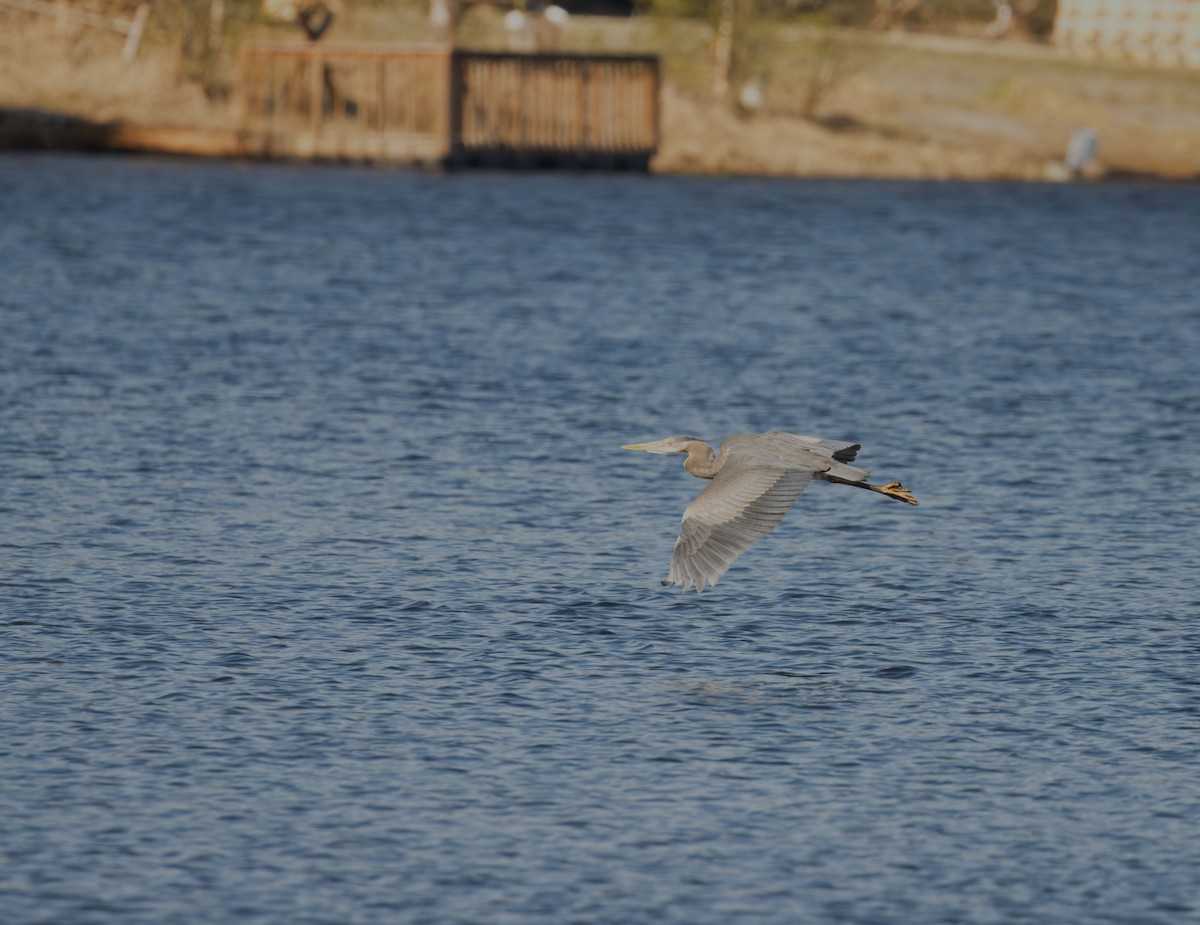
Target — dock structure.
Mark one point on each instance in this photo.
(441, 106)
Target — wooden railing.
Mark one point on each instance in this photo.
(1159, 32)
(356, 103)
(456, 107)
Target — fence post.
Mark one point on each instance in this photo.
(136, 28)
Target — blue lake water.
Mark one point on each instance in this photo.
(326, 595)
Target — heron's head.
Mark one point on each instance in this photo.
(663, 447)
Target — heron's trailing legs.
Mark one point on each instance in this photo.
(891, 489)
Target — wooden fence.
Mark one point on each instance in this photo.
(568, 107)
(436, 105)
(1160, 32)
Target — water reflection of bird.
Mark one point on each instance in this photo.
(756, 478)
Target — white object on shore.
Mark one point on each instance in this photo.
(1002, 24)
(753, 95)
(1081, 160)
(1081, 150)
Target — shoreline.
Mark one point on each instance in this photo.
(903, 107)
(33, 130)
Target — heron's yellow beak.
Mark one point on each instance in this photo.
(662, 447)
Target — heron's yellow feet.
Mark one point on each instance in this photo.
(897, 491)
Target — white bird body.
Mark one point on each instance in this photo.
(756, 478)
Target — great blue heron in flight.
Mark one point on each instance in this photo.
(756, 478)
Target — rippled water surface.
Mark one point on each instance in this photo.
(328, 597)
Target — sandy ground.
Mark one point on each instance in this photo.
(56, 68)
(703, 138)
(900, 106)
(908, 106)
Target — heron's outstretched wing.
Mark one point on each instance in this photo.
(744, 503)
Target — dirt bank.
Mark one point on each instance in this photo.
(912, 106)
(897, 106)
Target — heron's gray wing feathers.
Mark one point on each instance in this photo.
(826, 457)
(746, 501)
(839, 450)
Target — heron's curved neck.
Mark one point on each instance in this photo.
(700, 461)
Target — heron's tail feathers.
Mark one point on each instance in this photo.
(841, 472)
